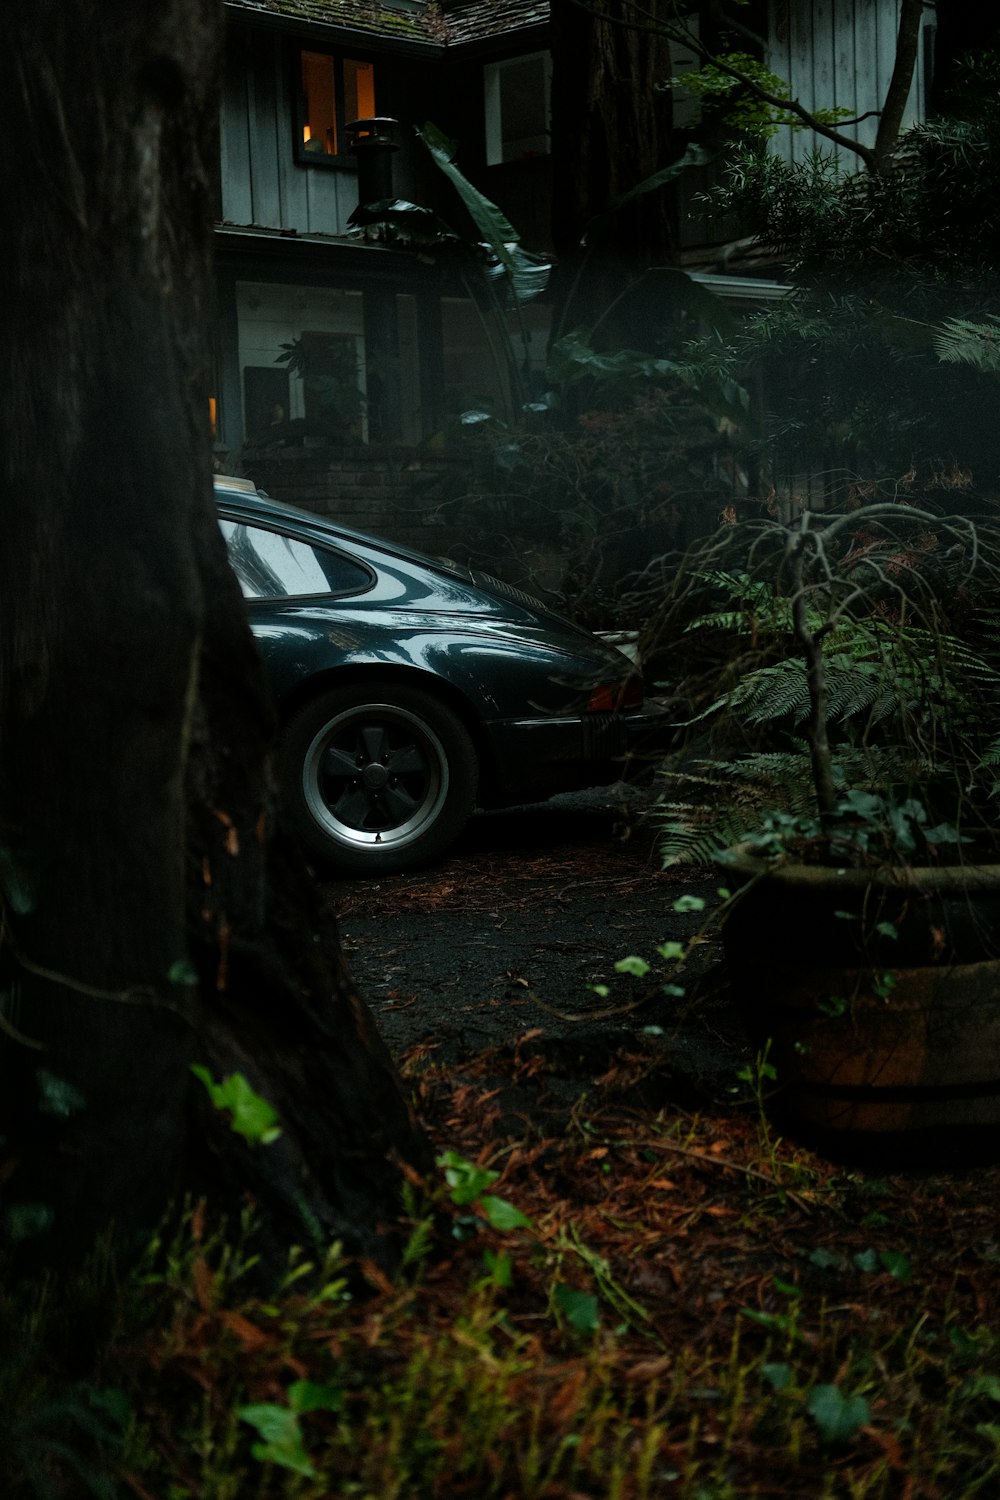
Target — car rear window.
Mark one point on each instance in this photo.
(271, 565)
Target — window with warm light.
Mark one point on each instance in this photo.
(334, 90)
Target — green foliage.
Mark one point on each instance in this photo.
(328, 367)
(524, 276)
(892, 269)
(837, 1416)
(885, 634)
(962, 341)
(279, 1428)
(467, 1185)
(637, 967)
(558, 1362)
(722, 87)
(56, 1096)
(17, 889)
(580, 1309)
(250, 1116)
(573, 359)
(607, 459)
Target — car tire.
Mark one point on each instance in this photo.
(377, 778)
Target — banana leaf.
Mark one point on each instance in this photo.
(525, 275)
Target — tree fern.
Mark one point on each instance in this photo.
(960, 341)
(702, 813)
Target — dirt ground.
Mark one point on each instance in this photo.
(500, 945)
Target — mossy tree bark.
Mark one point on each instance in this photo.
(153, 914)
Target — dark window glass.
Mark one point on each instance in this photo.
(270, 565)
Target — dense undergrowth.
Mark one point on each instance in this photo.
(637, 1305)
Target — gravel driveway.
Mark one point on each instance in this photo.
(501, 944)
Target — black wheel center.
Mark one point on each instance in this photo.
(375, 777)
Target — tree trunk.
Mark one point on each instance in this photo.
(137, 823)
(611, 129)
(911, 15)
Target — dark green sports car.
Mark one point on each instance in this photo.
(411, 690)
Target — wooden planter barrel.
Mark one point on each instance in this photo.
(871, 1034)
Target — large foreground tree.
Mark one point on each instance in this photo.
(153, 915)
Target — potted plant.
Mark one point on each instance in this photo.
(863, 933)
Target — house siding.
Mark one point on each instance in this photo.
(263, 184)
(839, 54)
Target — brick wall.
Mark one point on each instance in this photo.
(422, 500)
(415, 499)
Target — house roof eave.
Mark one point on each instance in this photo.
(337, 33)
(320, 253)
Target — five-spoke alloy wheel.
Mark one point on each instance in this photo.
(378, 777)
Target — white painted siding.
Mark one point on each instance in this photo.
(838, 54)
(271, 315)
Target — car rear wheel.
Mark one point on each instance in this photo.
(378, 778)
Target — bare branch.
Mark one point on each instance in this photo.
(679, 33)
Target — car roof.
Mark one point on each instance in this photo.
(252, 501)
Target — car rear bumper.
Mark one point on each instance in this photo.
(547, 754)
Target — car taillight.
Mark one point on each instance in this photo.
(612, 698)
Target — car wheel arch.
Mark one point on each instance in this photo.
(385, 674)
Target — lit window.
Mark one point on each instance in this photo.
(517, 107)
(335, 91)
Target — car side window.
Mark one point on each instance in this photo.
(270, 565)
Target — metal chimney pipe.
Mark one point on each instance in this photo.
(373, 143)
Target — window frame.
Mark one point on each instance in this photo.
(495, 139)
(300, 115)
(279, 601)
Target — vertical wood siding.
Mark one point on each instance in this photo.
(838, 54)
(262, 183)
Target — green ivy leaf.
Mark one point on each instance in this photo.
(15, 887)
(637, 967)
(778, 1377)
(826, 1260)
(671, 950)
(466, 1181)
(896, 1263)
(500, 1214)
(183, 973)
(281, 1437)
(982, 1385)
(837, 1416)
(578, 1308)
(306, 1395)
(57, 1097)
(685, 904)
(499, 1266)
(251, 1116)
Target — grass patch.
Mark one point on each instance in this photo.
(680, 1306)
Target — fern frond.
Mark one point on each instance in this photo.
(852, 691)
(772, 692)
(961, 341)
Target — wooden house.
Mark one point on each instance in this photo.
(297, 290)
(327, 339)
